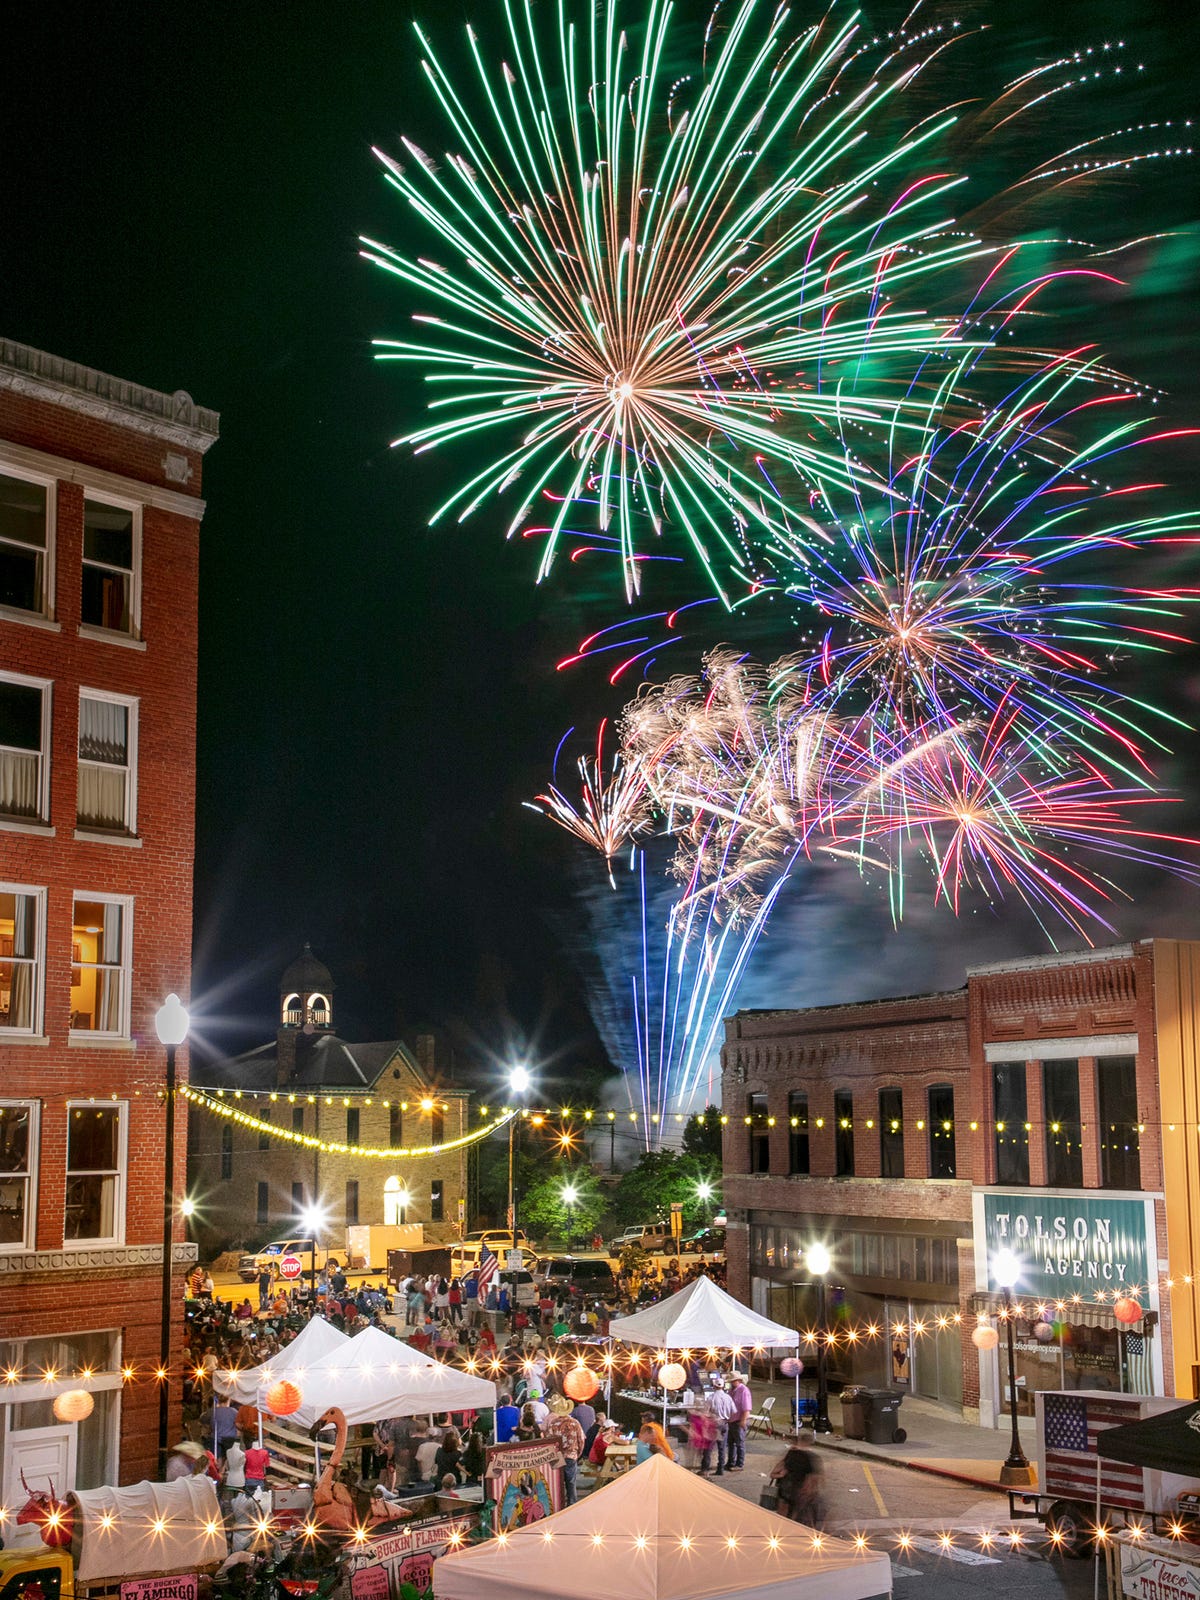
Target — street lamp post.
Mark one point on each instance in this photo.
(570, 1194)
(818, 1262)
(312, 1220)
(1016, 1473)
(171, 1025)
(518, 1082)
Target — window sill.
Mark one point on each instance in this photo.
(29, 619)
(40, 830)
(7, 1036)
(98, 836)
(126, 641)
(100, 1041)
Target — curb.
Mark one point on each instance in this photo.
(844, 1449)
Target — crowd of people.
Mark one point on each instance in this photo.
(442, 1316)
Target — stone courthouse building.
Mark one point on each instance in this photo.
(310, 1083)
(1050, 1106)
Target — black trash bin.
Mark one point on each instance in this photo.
(882, 1408)
(854, 1412)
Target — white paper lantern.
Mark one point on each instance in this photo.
(985, 1337)
(672, 1376)
(73, 1405)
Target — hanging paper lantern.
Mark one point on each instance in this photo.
(580, 1383)
(73, 1405)
(985, 1337)
(283, 1398)
(1127, 1310)
(791, 1367)
(672, 1376)
(1043, 1332)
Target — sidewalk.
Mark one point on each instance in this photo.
(939, 1442)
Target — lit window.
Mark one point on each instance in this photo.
(18, 1151)
(106, 786)
(24, 748)
(110, 564)
(101, 945)
(24, 543)
(22, 915)
(95, 1172)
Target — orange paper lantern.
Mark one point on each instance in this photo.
(985, 1337)
(73, 1405)
(580, 1383)
(1127, 1310)
(283, 1398)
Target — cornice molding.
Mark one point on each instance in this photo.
(101, 481)
(173, 417)
(99, 1258)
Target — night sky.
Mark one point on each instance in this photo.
(183, 188)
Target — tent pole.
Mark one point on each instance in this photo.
(1096, 1557)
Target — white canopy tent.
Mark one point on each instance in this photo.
(148, 1528)
(374, 1376)
(702, 1317)
(315, 1340)
(660, 1533)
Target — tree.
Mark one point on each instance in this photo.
(646, 1192)
(702, 1135)
(544, 1212)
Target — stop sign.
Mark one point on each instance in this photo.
(290, 1266)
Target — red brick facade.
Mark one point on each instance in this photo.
(1099, 1012)
(82, 433)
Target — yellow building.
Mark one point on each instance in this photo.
(253, 1179)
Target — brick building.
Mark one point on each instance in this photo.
(99, 531)
(309, 1082)
(1051, 1106)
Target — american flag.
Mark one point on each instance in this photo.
(1071, 1425)
(487, 1271)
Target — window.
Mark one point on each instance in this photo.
(843, 1133)
(1012, 1133)
(395, 1127)
(437, 1125)
(100, 960)
(1120, 1143)
(798, 1133)
(24, 748)
(226, 1152)
(22, 914)
(95, 1172)
(395, 1203)
(24, 543)
(760, 1136)
(353, 1119)
(110, 564)
(1064, 1135)
(891, 1133)
(436, 1202)
(298, 1201)
(264, 1139)
(106, 784)
(352, 1202)
(18, 1148)
(942, 1162)
(263, 1209)
(297, 1119)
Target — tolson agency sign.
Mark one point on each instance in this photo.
(1067, 1245)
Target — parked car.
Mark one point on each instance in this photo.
(587, 1275)
(649, 1235)
(247, 1267)
(271, 1254)
(705, 1242)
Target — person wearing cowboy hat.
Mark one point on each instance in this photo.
(185, 1460)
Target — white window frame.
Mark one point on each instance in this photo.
(46, 685)
(130, 703)
(102, 497)
(125, 901)
(121, 1174)
(29, 1241)
(34, 1031)
(10, 469)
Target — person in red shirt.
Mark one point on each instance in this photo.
(257, 1460)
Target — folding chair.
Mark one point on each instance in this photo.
(760, 1421)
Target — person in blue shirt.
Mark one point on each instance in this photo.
(507, 1418)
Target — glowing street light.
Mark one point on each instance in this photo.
(171, 1024)
(519, 1081)
(1016, 1473)
(818, 1261)
(312, 1221)
(570, 1196)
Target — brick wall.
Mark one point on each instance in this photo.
(154, 868)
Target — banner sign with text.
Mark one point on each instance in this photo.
(1066, 1244)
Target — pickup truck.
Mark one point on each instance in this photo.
(249, 1266)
